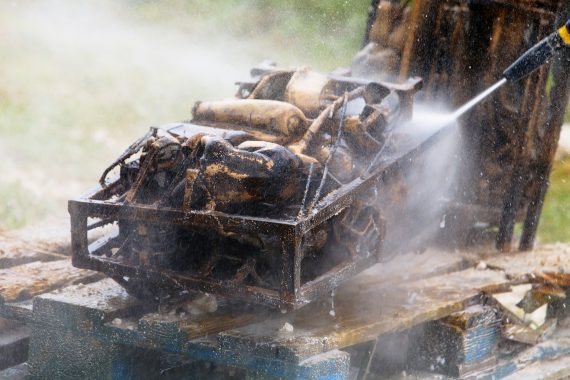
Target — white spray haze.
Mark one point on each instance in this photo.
(80, 80)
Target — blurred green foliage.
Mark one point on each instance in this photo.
(324, 34)
(19, 206)
(554, 224)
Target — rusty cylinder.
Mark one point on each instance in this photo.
(268, 116)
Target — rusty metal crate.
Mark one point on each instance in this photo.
(292, 291)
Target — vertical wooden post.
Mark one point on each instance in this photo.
(559, 99)
(416, 43)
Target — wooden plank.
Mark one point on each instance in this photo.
(14, 346)
(552, 349)
(523, 266)
(97, 302)
(181, 327)
(398, 306)
(547, 360)
(48, 241)
(557, 369)
(17, 311)
(66, 335)
(362, 312)
(45, 242)
(415, 266)
(8, 324)
(25, 281)
(168, 329)
(462, 344)
(14, 251)
(77, 328)
(388, 298)
(19, 372)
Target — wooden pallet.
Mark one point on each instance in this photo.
(30, 266)
(82, 326)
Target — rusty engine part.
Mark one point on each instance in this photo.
(269, 196)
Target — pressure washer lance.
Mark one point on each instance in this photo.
(526, 64)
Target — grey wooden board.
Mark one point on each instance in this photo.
(93, 310)
(548, 358)
(18, 372)
(160, 330)
(522, 265)
(14, 252)
(362, 312)
(415, 266)
(556, 369)
(174, 329)
(405, 292)
(100, 301)
(556, 348)
(34, 251)
(14, 345)
(64, 342)
(20, 311)
(27, 280)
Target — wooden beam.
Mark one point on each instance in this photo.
(25, 281)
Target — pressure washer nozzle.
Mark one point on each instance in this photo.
(538, 54)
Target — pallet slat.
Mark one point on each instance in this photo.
(100, 302)
(389, 298)
(361, 314)
(25, 281)
(523, 266)
(13, 253)
(14, 343)
(182, 328)
(18, 311)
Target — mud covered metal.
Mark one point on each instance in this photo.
(270, 196)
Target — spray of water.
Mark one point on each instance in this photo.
(78, 80)
(433, 179)
(428, 119)
(473, 102)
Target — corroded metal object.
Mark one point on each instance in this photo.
(269, 196)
